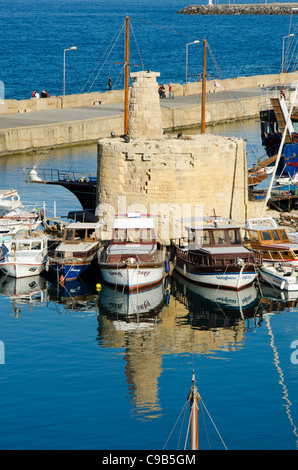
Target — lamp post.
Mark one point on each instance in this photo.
(283, 43)
(73, 48)
(194, 42)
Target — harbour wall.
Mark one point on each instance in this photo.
(37, 137)
(245, 9)
(12, 106)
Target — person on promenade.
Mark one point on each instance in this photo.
(110, 83)
(44, 94)
(171, 92)
(161, 91)
(33, 93)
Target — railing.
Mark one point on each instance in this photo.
(56, 175)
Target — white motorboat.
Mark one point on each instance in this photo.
(285, 276)
(14, 216)
(133, 260)
(23, 254)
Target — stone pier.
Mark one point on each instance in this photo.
(171, 177)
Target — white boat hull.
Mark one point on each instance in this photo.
(235, 280)
(132, 278)
(18, 269)
(287, 279)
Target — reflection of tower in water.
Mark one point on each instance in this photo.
(164, 330)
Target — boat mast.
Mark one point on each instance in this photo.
(203, 89)
(126, 75)
(194, 396)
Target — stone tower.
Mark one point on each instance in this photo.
(144, 120)
(170, 176)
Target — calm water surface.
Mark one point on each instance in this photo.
(83, 369)
(97, 370)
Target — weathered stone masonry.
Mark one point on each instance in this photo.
(167, 172)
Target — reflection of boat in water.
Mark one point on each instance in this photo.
(27, 290)
(141, 306)
(217, 301)
(75, 295)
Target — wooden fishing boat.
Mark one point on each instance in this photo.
(23, 254)
(133, 260)
(271, 241)
(77, 252)
(213, 255)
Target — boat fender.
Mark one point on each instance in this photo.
(166, 283)
(167, 298)
(175, 260)
(62, 279)
(167, 266)
(98, 287)
(282, 284)
(184, 268)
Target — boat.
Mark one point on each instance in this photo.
(257, 174)
(14, 216)
(23, 254)
(82, 185)
(77, 252)
(272, 241)
(213, 255)
(283, 276)
(133, 260)
(197, 408)
(276, 119)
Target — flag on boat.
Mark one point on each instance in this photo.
(216, 84)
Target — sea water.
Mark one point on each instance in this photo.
(35, 33)
(83, 367)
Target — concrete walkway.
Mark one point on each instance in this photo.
(40, 118)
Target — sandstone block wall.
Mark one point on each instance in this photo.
(172, 176)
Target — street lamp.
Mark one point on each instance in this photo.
(73, 48)
(283, 43)
(194, 42)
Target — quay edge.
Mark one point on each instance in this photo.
(21, 132)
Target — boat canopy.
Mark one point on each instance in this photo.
(265, 223)
(133, 223)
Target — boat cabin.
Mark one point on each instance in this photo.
(271, 241)
(213, 236)
(80, 240)
(266, 232)
(77, 232)
(214, 245)
(136, 230)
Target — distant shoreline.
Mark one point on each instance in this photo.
(245, 9)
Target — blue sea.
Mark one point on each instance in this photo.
(35, 33)
(83, 367)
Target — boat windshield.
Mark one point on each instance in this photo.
(134, 235)
(235, 237)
